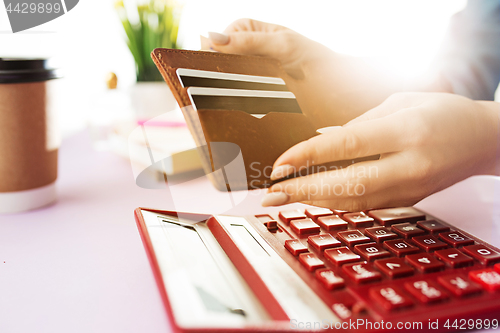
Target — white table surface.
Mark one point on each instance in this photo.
(80, 266)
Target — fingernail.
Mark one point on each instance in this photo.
(275, 199)
(324, 130)
(218, 38)
(282, 171)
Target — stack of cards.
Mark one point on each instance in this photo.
(256, 95)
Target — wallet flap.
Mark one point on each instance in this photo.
(169, 60)
(261, 141)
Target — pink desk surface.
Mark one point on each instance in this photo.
(79, 265)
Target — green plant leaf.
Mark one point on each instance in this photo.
(157, 26)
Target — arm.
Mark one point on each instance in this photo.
(427, 142)
(469, 61)
(331, 88)
(328, 85)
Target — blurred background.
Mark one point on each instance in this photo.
(89, 41)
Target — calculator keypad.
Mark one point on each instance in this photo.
(316, 212)
(310, 261)
(432, 226)
(407, 230)
(330, 279)
(426, 291)
(387, 217)
(390, 297)
(397, 258)
(455, 239)
(361, 272)
(295, 247)
(304, 226)
(371, 251)
(424, 262)
(400, 248)
(480, 252)
(380, 234)
(488, 278)
(323, 242)
(459, 285)
(341, 255)
(429, 243)
(454, 258)
(332, 223)
(394, 267)
(358, 220)
(289, 215)
(352, 237)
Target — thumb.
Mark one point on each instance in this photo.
(250, 42)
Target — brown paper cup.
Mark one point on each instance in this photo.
(28, 144)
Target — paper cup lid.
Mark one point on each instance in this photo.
(15, 70)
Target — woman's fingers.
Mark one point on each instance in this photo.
(391, 197)
(246, 24)
(273, 45)
(356, 181)
(246, 36)
(376, 136)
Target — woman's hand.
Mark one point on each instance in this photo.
(330, 88)
(247, 36)
(427, 142)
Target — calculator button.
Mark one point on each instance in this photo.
(371, 251)
(361, 272)
(264, 218)
(390, 297)
(271, 225)
(289, 215)
(341, 255)
(380, 234)
(400, 248)
(316, 212)
(329, 279)
(433, 226)
(459, 285)
(424, 262)
(332, 222)
(488, 278)
(352, 237)
(346, 304)
(389, 216)
(304, 226)
(480, 252)
(322, 242)
(429, 243)
(310, 261)
(394, 267)
(295, 247)
(454, 258)
(358, 220)
(342, 310)
(407, 230)
(426, 291)
(339, 211)
(455, 239)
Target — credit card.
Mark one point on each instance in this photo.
(255, 102)
(199, 78)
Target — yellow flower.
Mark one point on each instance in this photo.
(119, 4)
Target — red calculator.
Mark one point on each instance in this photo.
(321, 270)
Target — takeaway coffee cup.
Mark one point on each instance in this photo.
(28, 138)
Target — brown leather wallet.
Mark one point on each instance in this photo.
(261, 141)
